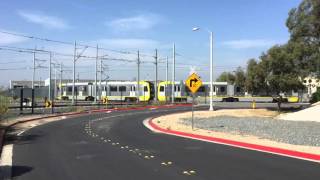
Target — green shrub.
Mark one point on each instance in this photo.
(315, 96)
(4, 105)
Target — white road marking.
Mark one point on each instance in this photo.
(6, 162)
(20, 133)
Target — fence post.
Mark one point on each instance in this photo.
(32, 101)
(21, 100)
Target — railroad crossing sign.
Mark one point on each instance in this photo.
(193, 82)
(105, 100)
(48, 104)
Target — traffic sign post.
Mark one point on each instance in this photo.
(193, 83)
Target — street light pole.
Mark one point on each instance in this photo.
(211, 66)
(211, 71)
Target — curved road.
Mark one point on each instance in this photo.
(117, 146)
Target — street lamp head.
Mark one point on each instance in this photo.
(195, 29)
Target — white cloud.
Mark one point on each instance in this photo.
(139, 22)
(10, 39)
(46, 21)
(249, 43)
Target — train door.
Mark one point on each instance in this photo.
(132, 92)
(162, 92)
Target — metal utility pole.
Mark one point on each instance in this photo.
(173, 71)
(100, 89)
(60, 81)
(165, 85)
(156, 82)
(138, 79)
(74, 72)
(96, 76)
(34, 68)
(55, 82)
(50, 95)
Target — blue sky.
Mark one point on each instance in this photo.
(242, 29)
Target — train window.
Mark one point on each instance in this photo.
(84, 89)
(175, 88)
(161, 88)
(201, 89)
(222, 89)
(122, 88)
(145, 88)
(113, 88)
(178, 88)
(69, 89)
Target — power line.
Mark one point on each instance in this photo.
(67, 43)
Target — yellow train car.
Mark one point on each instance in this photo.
(164, 91)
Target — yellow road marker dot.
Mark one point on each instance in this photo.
(192, 172)
(169, 162)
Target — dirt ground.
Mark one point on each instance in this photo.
(172, 122)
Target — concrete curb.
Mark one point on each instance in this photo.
(273, 150)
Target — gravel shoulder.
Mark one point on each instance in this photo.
(257, 126)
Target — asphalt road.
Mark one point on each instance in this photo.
(117, 146)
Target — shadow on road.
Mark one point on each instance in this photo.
(13, 138)
(15, 170)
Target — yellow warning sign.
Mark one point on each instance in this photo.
(105, 100)
(48, 104)
(193, 82)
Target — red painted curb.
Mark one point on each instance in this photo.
(274, 150)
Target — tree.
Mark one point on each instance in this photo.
(256, 77)
(226, 77)
(282, 72)
(240, 78)
(304, 26)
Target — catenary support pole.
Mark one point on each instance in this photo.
(60, 82)
(34, 68)
(156, 82)
(173, 71)
(100, 80)
(96, 76)
(50, 95)
(138, 78)
(165, 85)
(74, 72)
